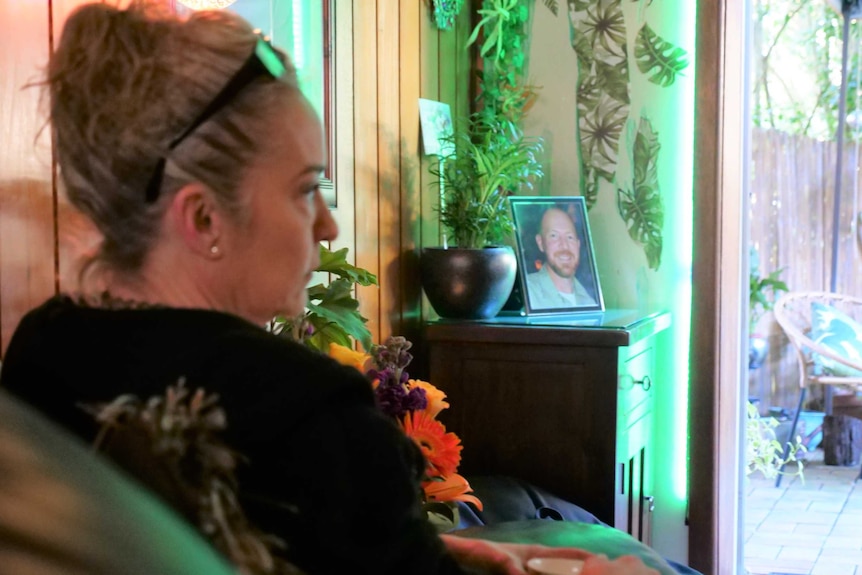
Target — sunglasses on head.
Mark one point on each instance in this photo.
(263, 61)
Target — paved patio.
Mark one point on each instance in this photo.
(811, 528)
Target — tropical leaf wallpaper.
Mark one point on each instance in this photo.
(658, 58)
(602, 44)
(639, 201)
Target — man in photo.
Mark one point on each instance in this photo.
(554, 285)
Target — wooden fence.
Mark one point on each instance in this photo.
(791, 215)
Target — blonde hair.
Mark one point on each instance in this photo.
(124, 83)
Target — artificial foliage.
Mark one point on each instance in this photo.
(502, 38)
(446, 12)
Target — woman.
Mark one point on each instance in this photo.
(189, 145)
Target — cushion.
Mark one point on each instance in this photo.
(509, 499)
(65, 510)
(838, 332)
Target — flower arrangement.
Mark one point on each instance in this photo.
(414, 405)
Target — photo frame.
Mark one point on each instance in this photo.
(555, 250)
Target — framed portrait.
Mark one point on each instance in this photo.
(555, 255)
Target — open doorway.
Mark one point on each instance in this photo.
(796, 58)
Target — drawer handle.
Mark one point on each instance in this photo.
(650, 503)
(646, 383)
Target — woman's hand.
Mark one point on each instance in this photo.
(504, 558)
(511, 558)
(625, 565)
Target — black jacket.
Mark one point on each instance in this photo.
(325, 471)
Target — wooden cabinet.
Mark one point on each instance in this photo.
(566, 404)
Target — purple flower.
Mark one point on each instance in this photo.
(392, 395)
(415, 400)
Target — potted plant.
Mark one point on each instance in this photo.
(489, 159)
(762, 293)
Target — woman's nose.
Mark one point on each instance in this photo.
(325, 228)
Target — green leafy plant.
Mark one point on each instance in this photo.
(763, 451)
(762, 290)
(333, 314)
(780, 68)
(490, 160)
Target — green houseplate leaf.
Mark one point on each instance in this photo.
(336, 263)
(660, 60)
(335, 304)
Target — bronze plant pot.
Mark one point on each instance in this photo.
(468, 283)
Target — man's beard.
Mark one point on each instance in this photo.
(563, 269)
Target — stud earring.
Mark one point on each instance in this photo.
(214, 250)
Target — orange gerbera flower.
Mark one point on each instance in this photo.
(435, 396)
(441, 449)
(450, 488)
(346, 356)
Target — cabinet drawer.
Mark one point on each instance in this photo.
(635, 382)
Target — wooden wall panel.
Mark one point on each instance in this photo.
(27, 235)
(365, 105)
(344, 165)
(429, 86)
(389, 164)
(410, 60)
(396, 201)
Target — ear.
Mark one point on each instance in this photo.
(540, 243)
(197, 219)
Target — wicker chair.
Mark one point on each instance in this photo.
(793, 313)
